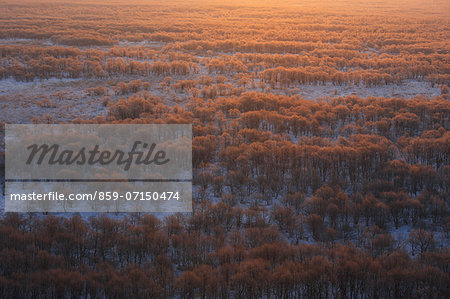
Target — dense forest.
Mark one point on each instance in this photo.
(321, 148)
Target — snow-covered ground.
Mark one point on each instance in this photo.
(22, 101)
(63, 99)
(146, 43)
(11, 86)
(408, 89)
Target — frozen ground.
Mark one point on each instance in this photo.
(66, 99)
(63, 99)
(407, 89)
